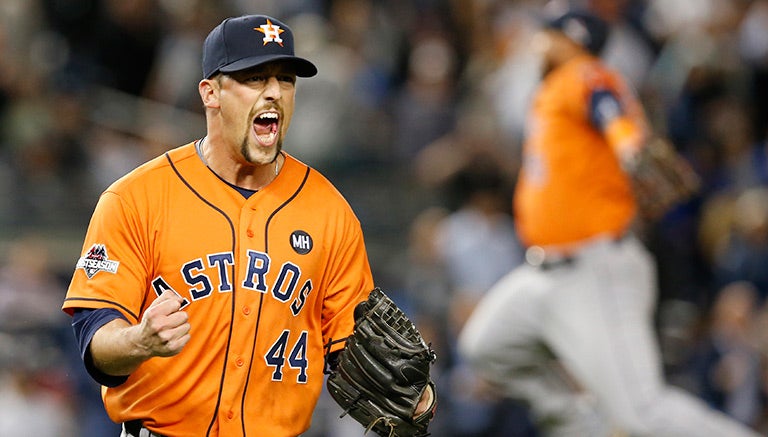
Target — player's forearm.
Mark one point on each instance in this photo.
(118, 348)
(115, 349)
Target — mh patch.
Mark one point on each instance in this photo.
(96, 260)
(301, 242)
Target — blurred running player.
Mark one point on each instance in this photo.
(584, 300)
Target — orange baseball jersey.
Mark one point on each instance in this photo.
(571, 185)
(266, 281)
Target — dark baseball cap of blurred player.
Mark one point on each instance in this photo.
(581, 26)
(247, 41)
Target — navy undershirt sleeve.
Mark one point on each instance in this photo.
(604, 106)
(85, 323)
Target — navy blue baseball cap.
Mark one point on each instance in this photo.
(250, 40)
(585, 28)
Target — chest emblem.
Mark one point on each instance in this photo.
(301, 242)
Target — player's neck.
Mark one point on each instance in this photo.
(235, 172)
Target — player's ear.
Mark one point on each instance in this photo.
(209, 92)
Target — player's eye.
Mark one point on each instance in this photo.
(287, 78)
(256, 78)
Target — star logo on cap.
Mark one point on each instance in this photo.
(271, 33)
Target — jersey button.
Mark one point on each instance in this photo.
(249, 233)
(230, 415)
(239, 362)
(246, 310)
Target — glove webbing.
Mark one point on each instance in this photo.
(387, 316)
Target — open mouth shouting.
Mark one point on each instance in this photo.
(267, 128)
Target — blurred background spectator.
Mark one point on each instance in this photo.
(416, 116)
(727, 360)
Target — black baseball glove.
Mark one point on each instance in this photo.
(379, 378)
(661, 179)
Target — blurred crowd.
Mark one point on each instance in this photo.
(416, 115)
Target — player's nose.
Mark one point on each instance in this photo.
(272, 89)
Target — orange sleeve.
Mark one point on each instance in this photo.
(615, 110)
(112, 270)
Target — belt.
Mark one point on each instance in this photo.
(134, 428)
(543, 259)
(537, 257)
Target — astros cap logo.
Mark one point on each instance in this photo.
(271, 33)
(232, 46)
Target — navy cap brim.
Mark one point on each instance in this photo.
(303, 67)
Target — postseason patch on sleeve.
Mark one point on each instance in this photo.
(96, 260)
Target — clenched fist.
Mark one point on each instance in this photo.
(164, 328)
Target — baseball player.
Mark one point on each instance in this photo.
(214, 278)
(571, 331)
